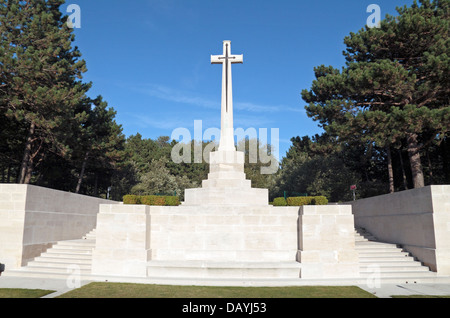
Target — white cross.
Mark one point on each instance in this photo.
(227, 130)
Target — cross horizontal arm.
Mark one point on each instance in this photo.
(237, 59)
(215, 59)
(234, 59)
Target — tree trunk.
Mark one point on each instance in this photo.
(405, 181)
(414, 158)
(430, 168)
(96, 185)
(445, 153)
(83, 169)
(390, 170)
(27, 165)
(8, 176)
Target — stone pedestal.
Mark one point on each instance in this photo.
(123, 241)
(327, 242)
(226, 184)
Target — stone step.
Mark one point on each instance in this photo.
(248, 256)
(69, 250)
(49, 259)
(387, 259)
(91, 235)
(57, 265)
(63, 275)
(56, 270)
(394, 267)
(223, 270)
(226, 183)
(372, 244)
(75, 247)
(398, 275)
(57, 254)
(378, 249)
(375, 253)
(82, 242)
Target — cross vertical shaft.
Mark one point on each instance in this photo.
(227, 129)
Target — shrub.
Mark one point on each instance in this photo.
(153, 200)
(299, 201)
(159, 201)
(320, 200)
(172, 201)
(147, 200)
(131, 199)
(279, 202)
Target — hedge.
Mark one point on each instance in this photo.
(131, 199)
(299, 201)
(320, 200)
(151, 200)
(279, 202)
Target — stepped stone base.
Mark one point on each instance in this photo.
(226, 184)
(132, 236)
(223, 270)
(385, 262)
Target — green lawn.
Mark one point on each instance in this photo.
(419, 296)
(125, 290)
(23, 293)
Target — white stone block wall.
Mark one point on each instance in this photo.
(123, 241)
(417, 219)
(129, 237)
(33, 218)
(326, 235)
(12, 221)
(224, 233)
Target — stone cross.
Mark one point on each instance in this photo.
(227, 130)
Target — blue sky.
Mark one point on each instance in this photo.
(150, 59)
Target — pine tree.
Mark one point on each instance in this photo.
(40, 76)
(395, 85)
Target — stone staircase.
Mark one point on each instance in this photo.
(65, 258)
(386, 261)
(389, 262)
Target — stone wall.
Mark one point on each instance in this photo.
(326, 235)
(33, 218)
(131, 237)
(417, 219)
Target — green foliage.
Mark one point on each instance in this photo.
(52, 134)
(40, 78)
(299, 201)
(320, 200)
(394, 87)
(131, 199)
(280, 201)
(319, 171)
(172, 201)
(155, 200)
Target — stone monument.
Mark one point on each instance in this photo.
(226, 228)
(224, 231)
(226, 184)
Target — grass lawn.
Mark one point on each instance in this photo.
(125, 290)
(23, 293)
(419, 296)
